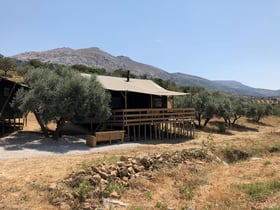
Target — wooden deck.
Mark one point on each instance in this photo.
(154, 123)
(11, 125)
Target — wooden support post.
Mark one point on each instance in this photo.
(139, 131)
(168, 130)
(151, 132)
(134, 133)
(155, 127)
(159, 131)
(179, 130)
(145, 132)
(182, 129)
(185, 131)
(162, 130)
(128, 133)
(188, 129)
(165, 129)
(193, 129)
(175, 130)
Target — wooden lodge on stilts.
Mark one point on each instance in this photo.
(144, 110)
(9, 119)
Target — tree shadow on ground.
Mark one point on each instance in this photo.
(26, 144)
(243, 128)
(215, 127)
(36, 141)
(258, 123)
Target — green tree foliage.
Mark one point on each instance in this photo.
(256, 111)
(191, 89)
(204, 105)
(240, 108)
(276, 110)
(230, 108)
(224, 108)
(183, 101)
(7, 64)
(62, 95)
(35, 63)
(122, 73)
(167, 84)
(87, 69)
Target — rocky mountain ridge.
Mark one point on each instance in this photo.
(94, 57)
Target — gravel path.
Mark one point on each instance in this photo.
(27, 145)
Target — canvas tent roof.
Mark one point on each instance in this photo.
(135, 85)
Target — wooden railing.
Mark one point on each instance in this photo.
(129, 117)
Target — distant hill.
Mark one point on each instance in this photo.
(94, 57)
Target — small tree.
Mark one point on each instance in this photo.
(35, 63)
(62, 95)
(224, 109)
(239, 109)
(256, 111)
(204, 106)
(7, 64)
(210, 110)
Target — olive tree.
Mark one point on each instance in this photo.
(240, 108)
(7, 64)
(62, 95)
(256, 111)
(205, 106)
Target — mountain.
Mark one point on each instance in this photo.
(237, 88)
(94, 57)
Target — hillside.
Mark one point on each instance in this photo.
(94, 57)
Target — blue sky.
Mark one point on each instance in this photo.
(217, 39)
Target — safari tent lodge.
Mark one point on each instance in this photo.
(144, 110)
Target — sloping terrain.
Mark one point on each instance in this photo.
(236, 170)
(94, 57)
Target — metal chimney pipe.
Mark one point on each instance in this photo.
(127, 75)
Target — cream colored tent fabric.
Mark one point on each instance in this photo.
(134, 85)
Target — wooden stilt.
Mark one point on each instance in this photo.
(145, 132)
(175, 130)
(139, 131)
(134, 133)
(151, 132)
(168, 130)
(155, 128)
(129, 133)
(188, 131)
(165, 129)
(159, 131)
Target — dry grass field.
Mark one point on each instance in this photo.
(243, 173)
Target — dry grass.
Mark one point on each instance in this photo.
(200, 185)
